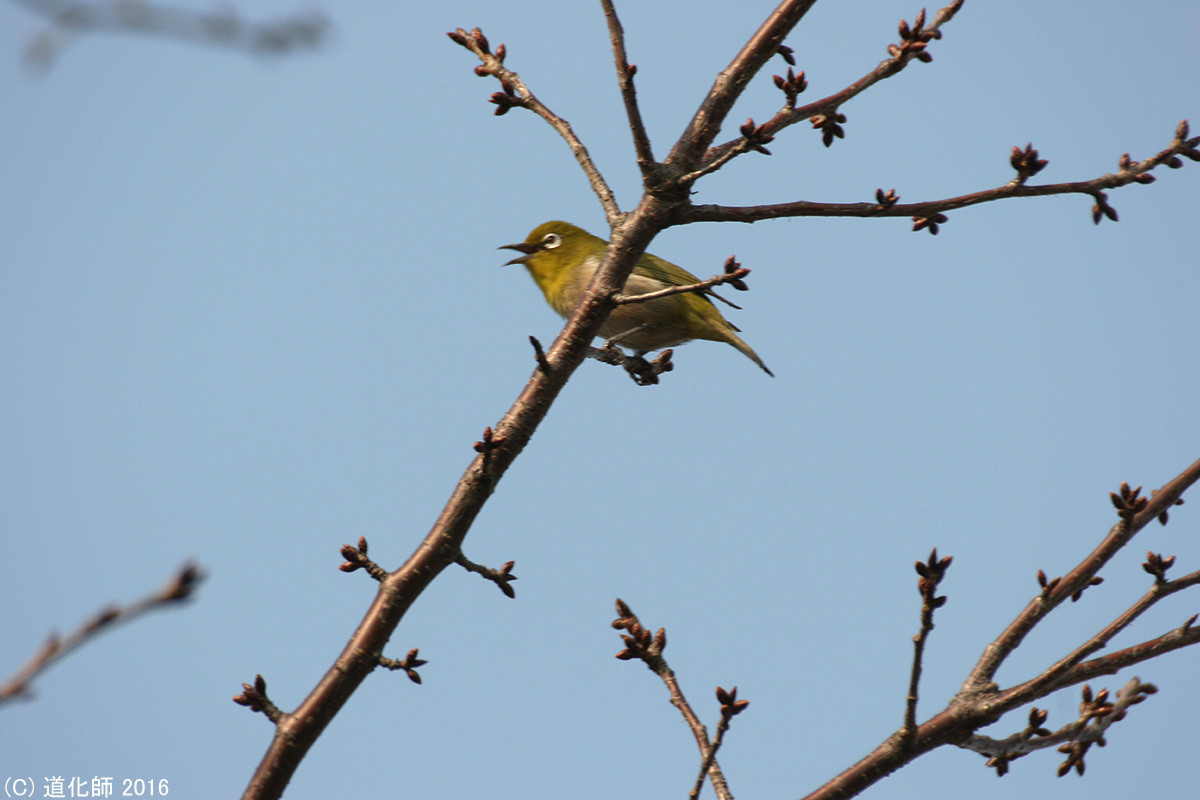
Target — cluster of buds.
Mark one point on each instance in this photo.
(791, 86)
(1026, 162)
(493, 64)
(756, 136)
(1049, 585)
(1129, 502)
(503, 578)
(830, 126)
(409, 664)
(931, 573)
(638, 641)
(1188, 148)
(491, 441)
(1034, 727)
(930, 223)
(886, 199)
(356, 559)
(1089, 708)
(1157, 565)
(914, 40)
(730, 705)
(735, 271)
(1162, 518)
(255, 698)
(1127, 164)
(1102, 209)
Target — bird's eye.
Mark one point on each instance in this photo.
(551, 241)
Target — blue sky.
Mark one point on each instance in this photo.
(252, 309)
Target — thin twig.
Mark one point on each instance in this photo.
(647, 647)
(1127, 173)
(519, 94)
(702, 286)
(719, 155)
(176, 590)
(931, 573)
(502, 577)
(625, 71)
(704, 126)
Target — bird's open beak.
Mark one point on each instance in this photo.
(523, 247)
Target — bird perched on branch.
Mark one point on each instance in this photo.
(562, 259)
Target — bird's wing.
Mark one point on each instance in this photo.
(664, 272)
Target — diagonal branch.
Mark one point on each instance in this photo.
(732, 81)
(719, 155)
(517, 94)
(625, 72)
(1074, 581)
(647, 647)
(981, 702)
(179, 588)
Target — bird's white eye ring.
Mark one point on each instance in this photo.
(551, 241)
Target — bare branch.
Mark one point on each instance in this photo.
(1128, 172)
(824, 112)
(642, 645)
(702, 287)
(625, 73)
(687, 153)
(517, 94)
(995, 653)
(931, 573)
(178, 589)
(221, 28)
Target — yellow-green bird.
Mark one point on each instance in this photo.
(562, 259)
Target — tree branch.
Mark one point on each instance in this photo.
(731, 82)
(823, 111)
(517, 94)
(1077, 579)
(886, 206)
(625, 73)
(642, 645)
(980, 702)
(222, 28)
(178, 589)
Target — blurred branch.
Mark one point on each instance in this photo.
(220, 28)
(176, 590)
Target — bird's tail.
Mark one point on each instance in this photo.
(747, 350)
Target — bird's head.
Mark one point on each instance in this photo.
(553, 248)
